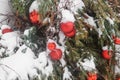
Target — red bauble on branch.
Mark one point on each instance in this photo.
(117, 40)
(56, 54)
(67, 27)
(92, 76)
(71, 34)
(106, 54)
(34, 17)
(51, 45)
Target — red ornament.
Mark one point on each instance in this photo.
(51, 46)
(92, 76)
(34, 17)
(71, 34)
(7, 30)
(67, 27)
(106, 54)
(117, 40)
(56, 54)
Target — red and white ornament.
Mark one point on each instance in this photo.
(56, 54)
(67, 25)
(34, 12)
(9, 39)
(51, 45)
(107, 54)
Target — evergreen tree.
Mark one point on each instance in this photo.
(80, 37)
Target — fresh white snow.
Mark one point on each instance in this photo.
(34, 6)
(72, 5)
(67, 16)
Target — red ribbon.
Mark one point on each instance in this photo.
(7, 30)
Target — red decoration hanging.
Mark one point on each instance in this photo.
(7, 30)
(67, 27)
(71, 34)
(106, 54)
(51, 45)
(56, 54)
(34, 17)
(92, 76)
(117, 40)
